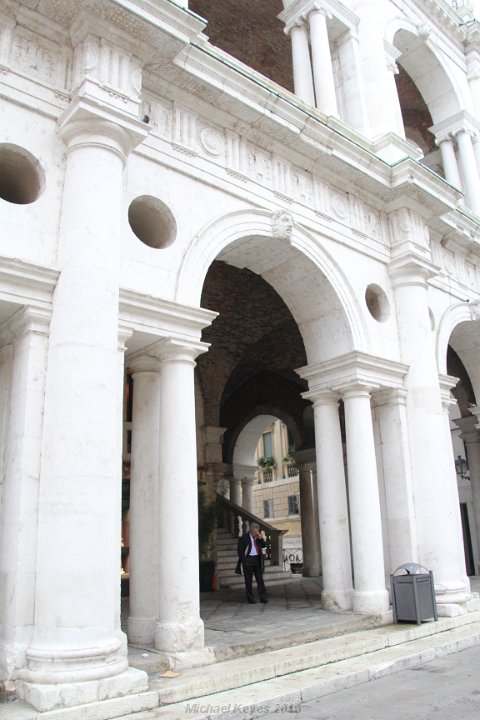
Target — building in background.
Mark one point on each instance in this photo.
(216, 216)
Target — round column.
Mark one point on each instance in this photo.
(332, 505)
(22, 373)
(471, 437)
(302, 68)
(470, 171)
(370, 595)
(235, 491)
(390, 409)
(325, 98)
(76, 635)
(247, 493)
(144, 509)
(179, 630)
(449, 162)
(312, 561)
(439, 530)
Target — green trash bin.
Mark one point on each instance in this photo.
(413, 595)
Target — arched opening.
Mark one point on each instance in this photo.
(462, 363)
(277, 312)
(426, 93)
(251, 32)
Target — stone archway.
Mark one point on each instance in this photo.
(294, 263)
(458, 348)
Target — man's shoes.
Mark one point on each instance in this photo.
(252, 602)
(264, 600)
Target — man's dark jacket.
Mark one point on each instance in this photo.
(243, 549)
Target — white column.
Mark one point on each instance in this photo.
(470, 170)
(247, 493)
(476, 150)
(144, 508)
(439, 530)
(23, 385)
(76, 635)
(235, 491)
(383, 105)
(312, 561)
(179, 630)
(332, 505)
(370, 595)
(302, 68)
(471, 437)
(354, 107)
(325, 97)
(390, 409)
(449, 162)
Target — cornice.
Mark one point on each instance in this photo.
(351, 369)
(152, 318)
(27, 283)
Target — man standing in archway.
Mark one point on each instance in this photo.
(250, 547)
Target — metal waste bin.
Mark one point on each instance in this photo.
(413, 596)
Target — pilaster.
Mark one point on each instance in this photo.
(440, 545)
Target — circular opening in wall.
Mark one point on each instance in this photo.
(152, 221)
(22, 179)
(377, 303)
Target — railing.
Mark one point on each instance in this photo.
(292, 471)
(235, 520)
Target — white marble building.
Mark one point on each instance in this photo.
(110, 221)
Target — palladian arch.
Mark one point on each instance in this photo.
(458, 350)
(294, 263)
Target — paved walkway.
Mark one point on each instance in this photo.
(233, 627)
(445, 689)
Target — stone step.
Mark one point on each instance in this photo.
(298, 674)
(290, 675)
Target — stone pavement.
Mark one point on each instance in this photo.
(234, 628)
(447, 688)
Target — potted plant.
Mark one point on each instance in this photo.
(207, 522)
(267, 464)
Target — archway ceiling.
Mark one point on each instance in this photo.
(247, 440)
(305, 290)
(427, 74)
(465, 340)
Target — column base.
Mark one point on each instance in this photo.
(452, 593)
(177, 638)
(141, 631)
(371, 603)
(337, 599)
(188, 659)
(44, 697)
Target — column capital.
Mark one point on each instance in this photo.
(175, 350)
(322, 397)
(358, 389)
(462, 121)
(349, 369)
(248, 482)
(447, 382)
(141, 362)
(390, 396)
(84, 124)
(26, 320)
(410, 268)
(470, 432)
